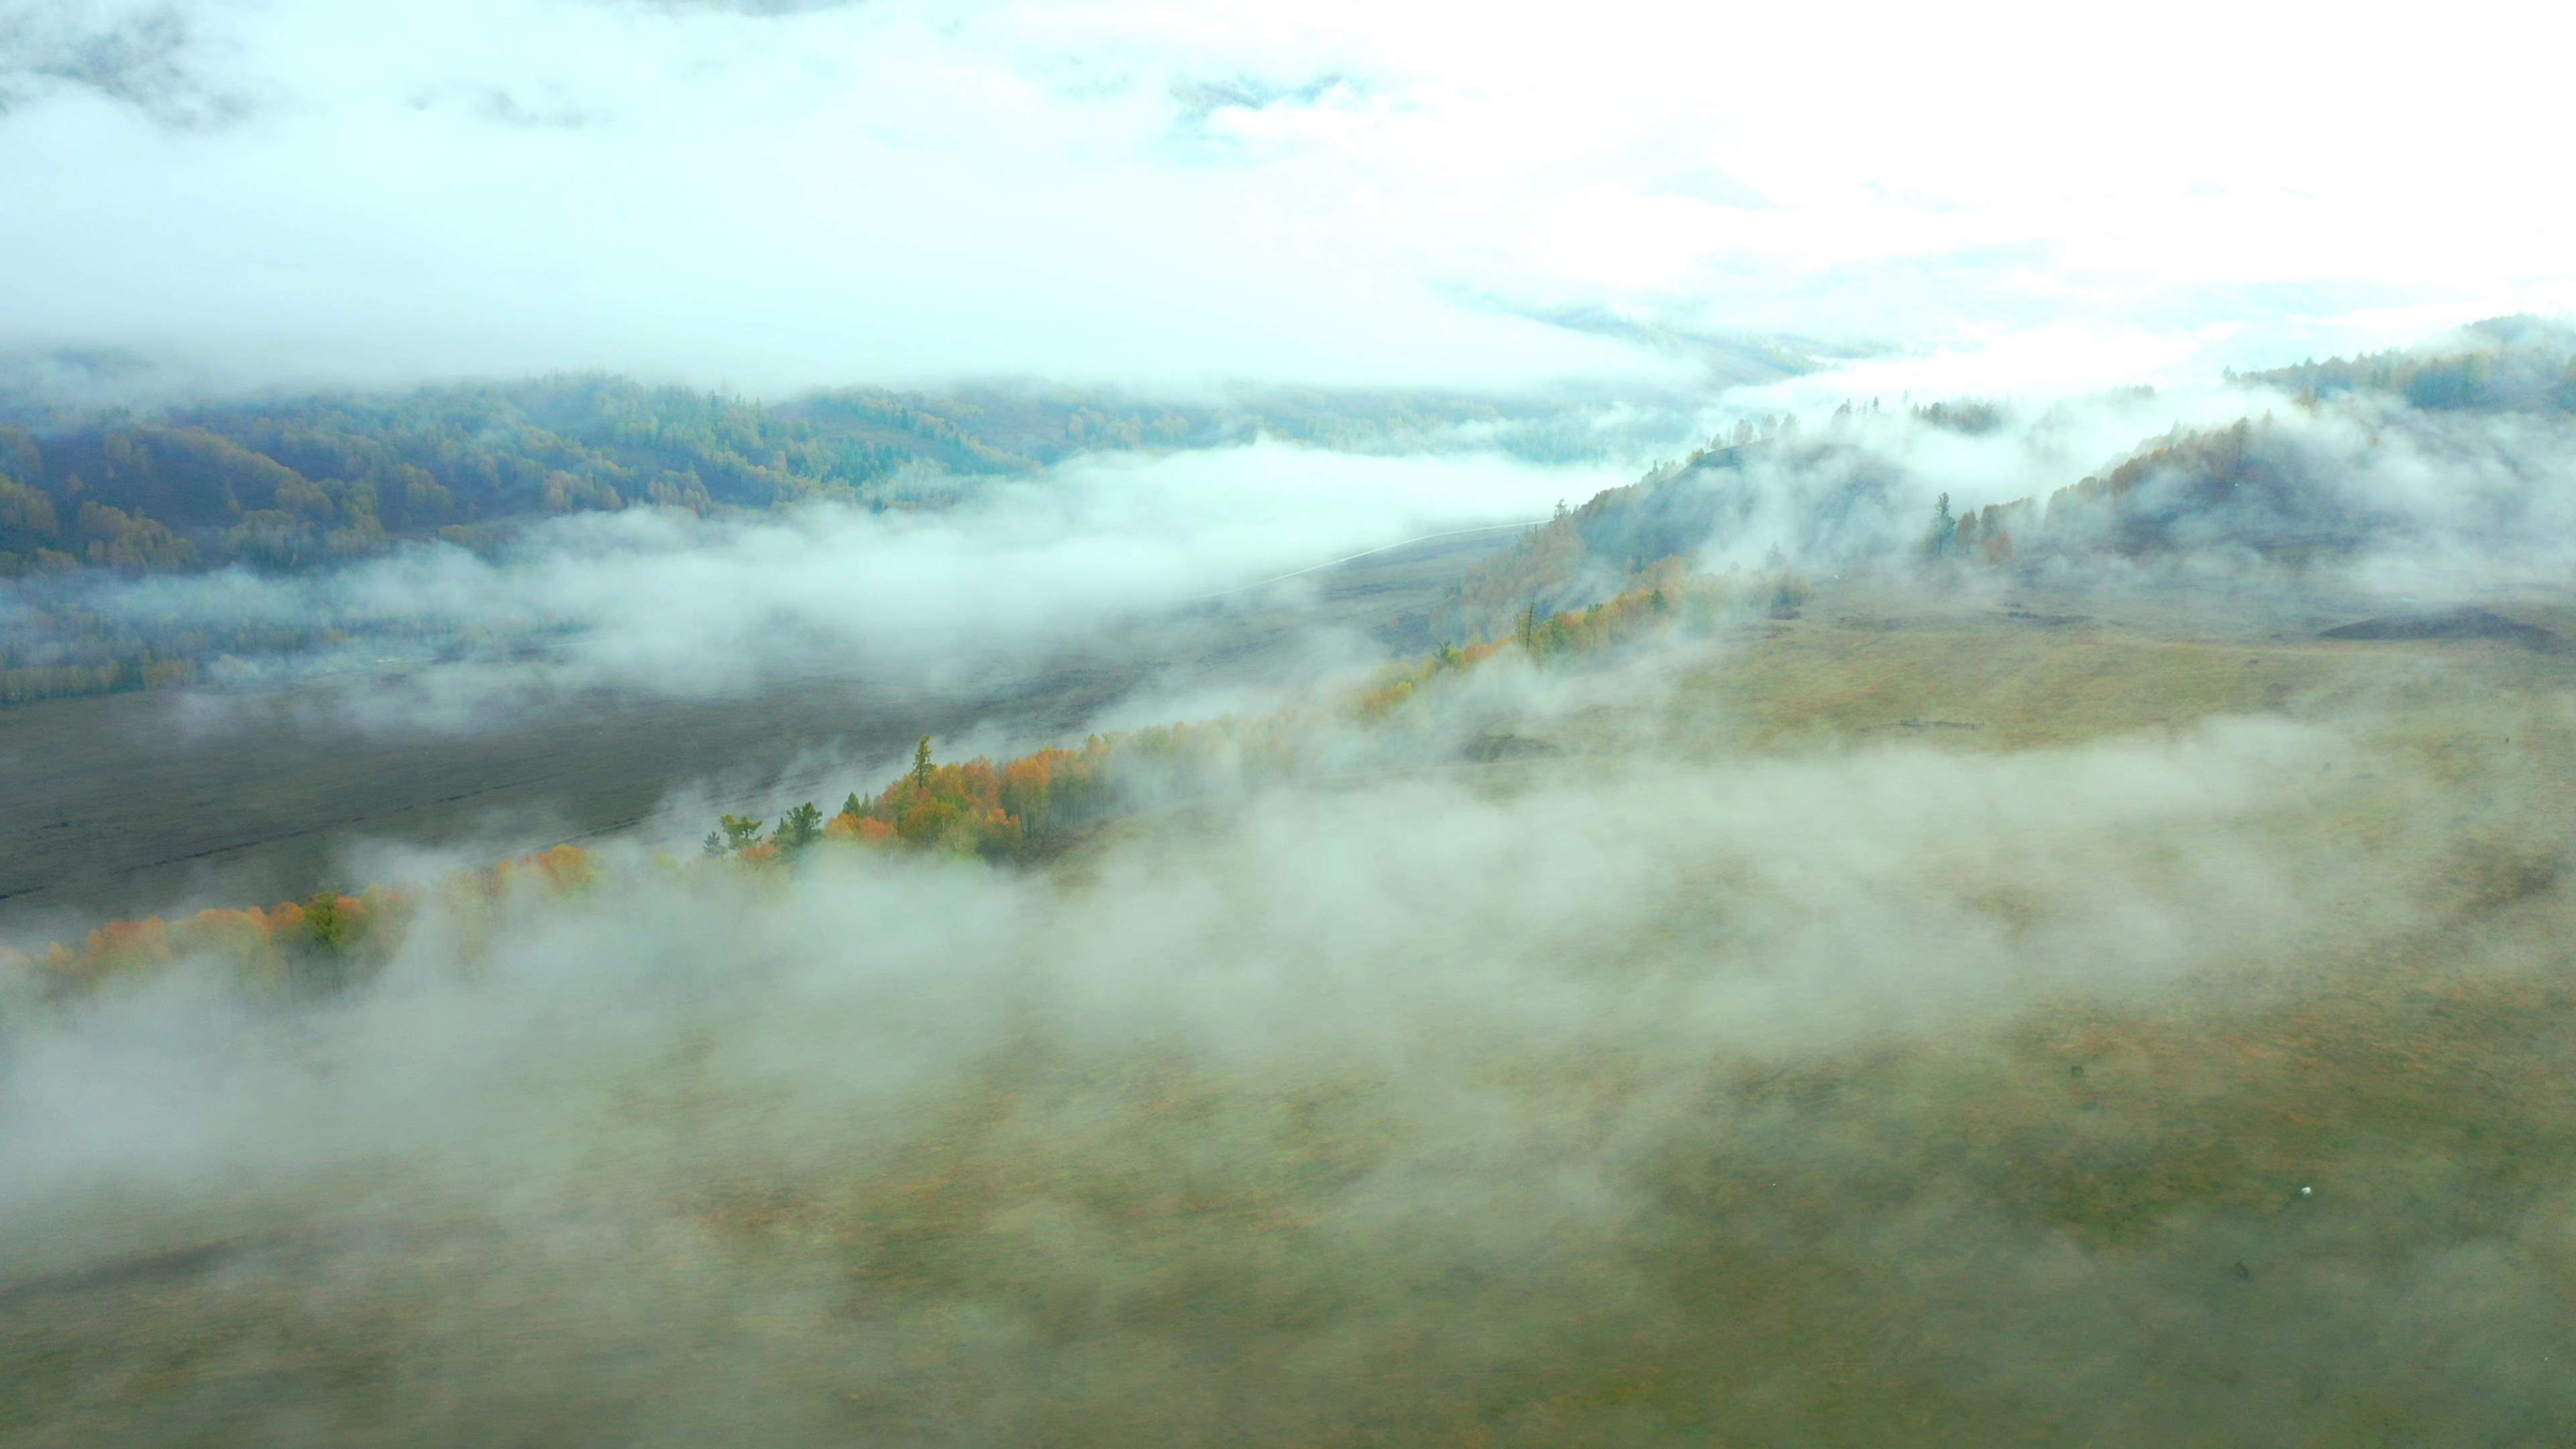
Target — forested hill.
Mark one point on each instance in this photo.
(308, 481)
(291, 483)
(1592, 552)
(2503, 364)
(2279, 488)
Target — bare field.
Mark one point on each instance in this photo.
(115, 807)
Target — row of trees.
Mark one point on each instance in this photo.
(978, 807)
(970, 807)
(29, 683)
(323, 943)
(54, 645)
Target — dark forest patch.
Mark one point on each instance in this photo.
(1486, 749)
(2020, 615)
(2449, 624)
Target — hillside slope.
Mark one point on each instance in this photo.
(2081, 1015)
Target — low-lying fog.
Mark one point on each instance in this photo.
(663, 603)
(1734, 1092)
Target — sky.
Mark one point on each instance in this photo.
(771, 195)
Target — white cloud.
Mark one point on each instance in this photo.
(898, 191)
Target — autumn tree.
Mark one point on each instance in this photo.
(1944, 528)
(797, 829)
(733, 835)
(326, 926)
(327, 933)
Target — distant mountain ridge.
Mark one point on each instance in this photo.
(305, 482)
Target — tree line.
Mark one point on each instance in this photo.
(2523, 364)
(998, 811)
(327, 942)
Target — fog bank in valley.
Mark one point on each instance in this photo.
(662, 603)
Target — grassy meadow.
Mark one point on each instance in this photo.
(1980, 1015)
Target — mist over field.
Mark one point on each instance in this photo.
(657, 602)
(1394, 1107)
(1100, 722)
